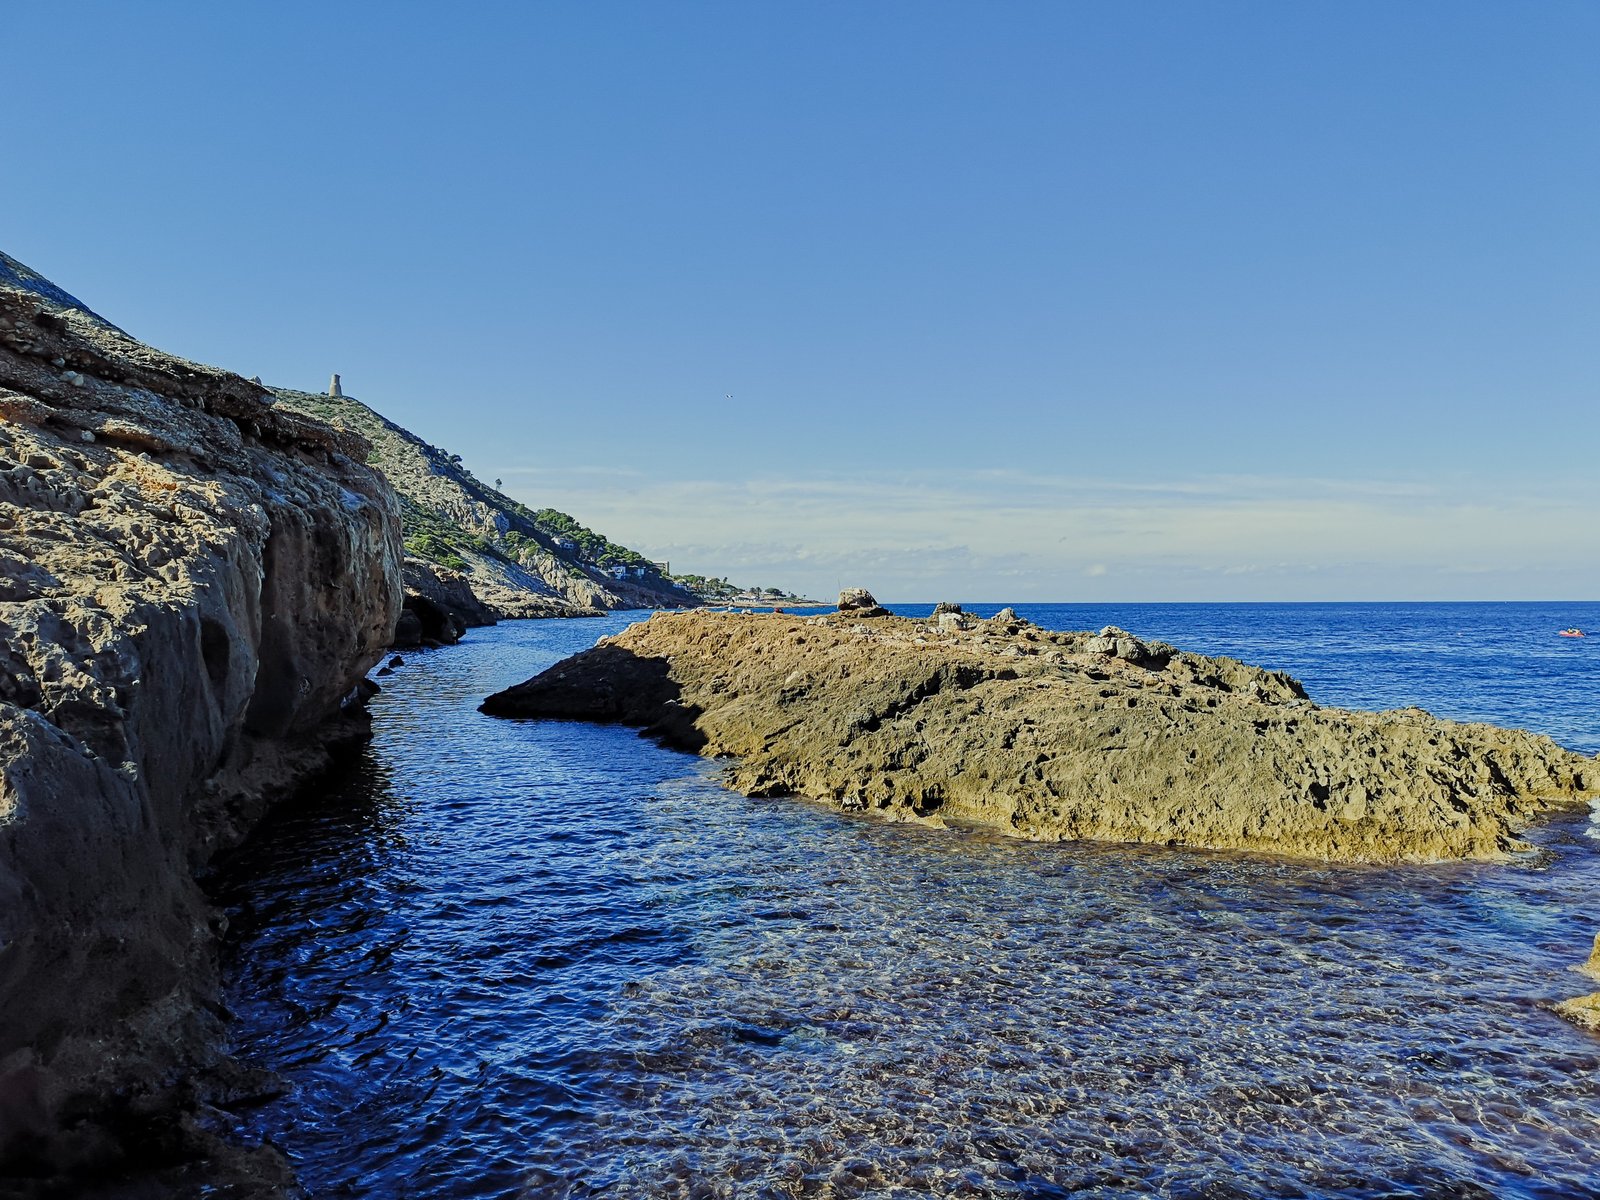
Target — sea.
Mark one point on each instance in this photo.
(546, 959)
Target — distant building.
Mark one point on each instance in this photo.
(619, 572)
(333, 387)
(663, 568)
(565, 543)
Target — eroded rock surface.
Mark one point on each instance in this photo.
(1582, 1011)
(1054, 736)
(192, 585)
(859, 602)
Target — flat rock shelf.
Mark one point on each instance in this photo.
(1055, 736)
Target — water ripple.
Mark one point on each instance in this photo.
(546, 959)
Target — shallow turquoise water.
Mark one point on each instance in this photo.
(547, 959)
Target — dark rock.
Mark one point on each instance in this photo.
(407, 629)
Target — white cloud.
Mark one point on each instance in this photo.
(1011, 535)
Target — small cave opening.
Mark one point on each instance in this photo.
(215, 651)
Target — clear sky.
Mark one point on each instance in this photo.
(1013, 301)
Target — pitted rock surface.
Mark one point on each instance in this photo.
(192, 585)
(1053, 736)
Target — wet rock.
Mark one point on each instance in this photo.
(1054, 736)
(1582, 1011)
(407, 629)
(1592, 967)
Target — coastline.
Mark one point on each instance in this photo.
(736, 945)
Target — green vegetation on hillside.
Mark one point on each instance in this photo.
(586, 544)
(429, 536)
(707, 587)
(450, 517)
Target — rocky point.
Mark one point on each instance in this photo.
(1053, 736)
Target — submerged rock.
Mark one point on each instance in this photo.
(192, 585)
(1592, 967)
(1054, 736)
(1582, 1011)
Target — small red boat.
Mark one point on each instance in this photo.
(1572, 633)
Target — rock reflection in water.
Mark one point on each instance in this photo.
(555, 960)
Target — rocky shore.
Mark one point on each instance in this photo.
(1055, 736)
(194, 585)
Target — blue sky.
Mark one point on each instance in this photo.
(1014, 301)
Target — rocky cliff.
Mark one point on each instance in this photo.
(193, 583)
(513, 564)
(1055, 736)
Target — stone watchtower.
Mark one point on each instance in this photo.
(333, 387)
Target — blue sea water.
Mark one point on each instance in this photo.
(500, 958)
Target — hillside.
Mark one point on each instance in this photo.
(518, 562)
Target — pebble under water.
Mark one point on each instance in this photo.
(501, 958)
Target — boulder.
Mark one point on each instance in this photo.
(858, 602)
(1119, 643)
(447, 592)
(948, 617)
(424, 623)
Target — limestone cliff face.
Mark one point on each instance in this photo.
(1059, 736)
(192, 585)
